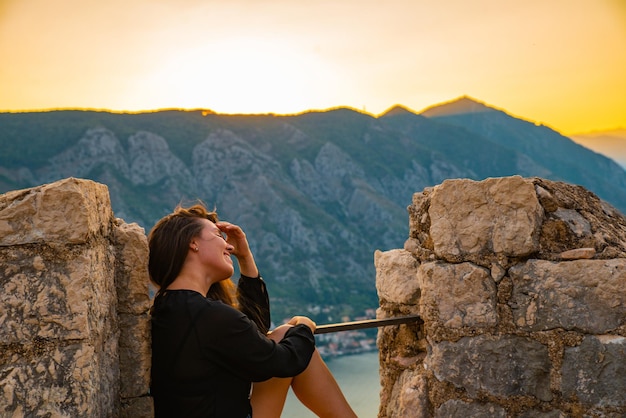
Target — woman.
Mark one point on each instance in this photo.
(208, 346)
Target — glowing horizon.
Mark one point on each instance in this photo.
(556, 63)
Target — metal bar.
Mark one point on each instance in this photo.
(368, 323)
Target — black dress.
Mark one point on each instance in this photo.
(205, 353)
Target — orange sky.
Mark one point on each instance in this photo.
(558, 62)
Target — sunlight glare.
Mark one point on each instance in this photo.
(241, 76)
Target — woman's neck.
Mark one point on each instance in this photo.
(183, 282)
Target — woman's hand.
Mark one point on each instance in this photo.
(237, 238)
(279, 332)
(297, 320)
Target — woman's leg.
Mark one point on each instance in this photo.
(268, 398)
(315, 387)
(318, 390)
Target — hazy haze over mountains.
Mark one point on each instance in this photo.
(317, 193)
(609, 143)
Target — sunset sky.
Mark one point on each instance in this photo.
(557, 62)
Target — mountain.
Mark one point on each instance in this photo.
(460, 106)
(317, 193)
(550, 154)
(609, 143)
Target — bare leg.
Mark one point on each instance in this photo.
(318, 390)
(268, 398)
(315, 387)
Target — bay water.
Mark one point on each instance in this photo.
(358, 378)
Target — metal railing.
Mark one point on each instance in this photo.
(368, 323)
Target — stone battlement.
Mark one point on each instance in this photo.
(74, 328)
(521, 284)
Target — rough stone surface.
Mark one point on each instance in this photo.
(500, 216)
(457, 408)
(42, 214)
(74, 331)
(533, 413)
(137, 408)
(522, 290)
(132, 268)
(578, 253)
(134, 355)
(55, 293)
(595, 371)
(502, 366)
(587, 295)
(73, 380)
(397, 270)
(457, 295)
(410, 398)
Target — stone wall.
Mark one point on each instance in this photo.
(74, 328)
(521, 284)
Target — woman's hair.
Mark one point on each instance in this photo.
(168, 243)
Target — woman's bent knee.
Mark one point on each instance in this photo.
(279, 332)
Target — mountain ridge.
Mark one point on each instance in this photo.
(460, 105)
(317, 192)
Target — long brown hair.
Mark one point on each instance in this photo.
(168, 243)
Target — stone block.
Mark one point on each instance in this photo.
(137, 408)
(455, 408)
(499, 365)
(586, 295)
(578, 253)
(60, 294)
(396, 276)
(500, 216)
(131, 276)
(409, 396)
(135, 355)
(457, 295)
(595, 371)
(70, 211)
(533, 413)
(73, 380)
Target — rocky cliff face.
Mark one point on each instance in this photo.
(521, 284)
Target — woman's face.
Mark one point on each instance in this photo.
(214, 251)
